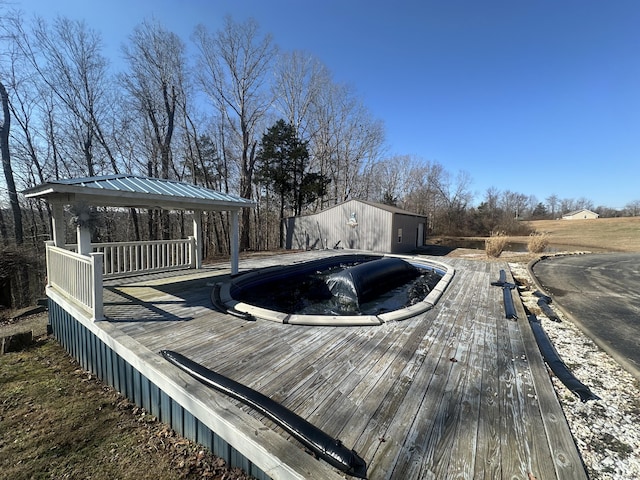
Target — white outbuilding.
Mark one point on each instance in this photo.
(581, 214)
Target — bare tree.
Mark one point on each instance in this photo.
(552, 202)
(490, 211)
(513, 205)
(424, 194)
(72, 72)
(347, 141)
(567, 205)
(452, 200)
(155, 82)
(299, 79)
(633, 208)
(583, 202)
(77, 102)
(391, 178)
(233, 66)
(27, 143)
(5, 127)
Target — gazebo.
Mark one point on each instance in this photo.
(78, 270)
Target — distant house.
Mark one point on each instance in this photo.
(580, 215)
(358, 225)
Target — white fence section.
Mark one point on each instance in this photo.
(78, 277)
(135, 258)
(131, 258)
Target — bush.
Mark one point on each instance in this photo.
(538, 242)
(495, 244)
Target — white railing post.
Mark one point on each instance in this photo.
(78, 278)
(49, 243)
(97, 294)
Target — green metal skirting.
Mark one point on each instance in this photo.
(98, 358)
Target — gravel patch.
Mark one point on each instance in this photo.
(606, 431)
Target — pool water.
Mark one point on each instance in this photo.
(308, 294)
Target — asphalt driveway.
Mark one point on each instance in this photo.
(601, 293)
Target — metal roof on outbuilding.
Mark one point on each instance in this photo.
(137, 191)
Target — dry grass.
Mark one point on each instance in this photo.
(605, 234)
(599, 235)
(537, 243)
(495, 244)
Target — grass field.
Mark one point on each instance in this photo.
(610, 234)
(58, 421)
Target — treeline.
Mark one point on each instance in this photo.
(208, 110)
(195, 113)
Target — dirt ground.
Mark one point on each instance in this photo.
(58, 421)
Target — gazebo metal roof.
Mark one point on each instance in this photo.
(137, 191)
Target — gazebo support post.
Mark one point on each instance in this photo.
(57, 224)
(235, 240)
(197, 234)
(84, 240)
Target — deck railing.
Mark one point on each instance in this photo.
(80, 277)
(134, 258)
(126, 258)
(77, 277)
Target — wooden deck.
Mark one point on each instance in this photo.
(457, 392)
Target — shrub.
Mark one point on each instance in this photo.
(495, 244)
(538, 242)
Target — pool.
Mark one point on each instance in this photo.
(303, 293)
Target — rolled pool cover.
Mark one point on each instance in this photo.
(324, 446)
(551, 356)
(366, 281)
(509, 307)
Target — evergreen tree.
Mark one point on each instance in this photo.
(540, 212)
(282, 163)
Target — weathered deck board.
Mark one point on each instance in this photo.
(456, 392)
(412, 420)
(487, 463)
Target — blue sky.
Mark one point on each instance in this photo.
(538, 97)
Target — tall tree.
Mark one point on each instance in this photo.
(155, 82)
(282, 164)
(553, 201)
(632, 208)
(233, 67)
(453, 198)
(28, 146)
(67, 57)
(346, 140)
(390, 179)
(423, 192)
(5, 126)
(299, 79)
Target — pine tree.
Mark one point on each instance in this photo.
(282, 164)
